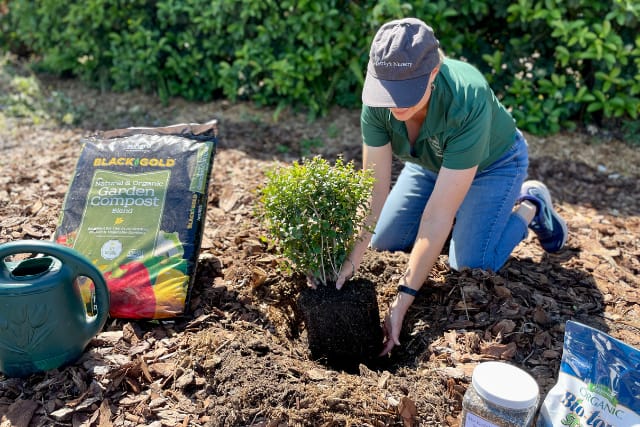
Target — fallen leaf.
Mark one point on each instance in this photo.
(105, 414)
(19, 413)
(504, 326)
(499, 351)
(408, 411)
(502, 291)
(317, 374)
(540, 316)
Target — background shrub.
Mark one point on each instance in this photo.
(556, 63)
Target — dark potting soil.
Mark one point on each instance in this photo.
(343, 326)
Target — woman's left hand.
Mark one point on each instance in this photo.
(393, 322)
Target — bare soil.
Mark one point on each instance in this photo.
(239, 356)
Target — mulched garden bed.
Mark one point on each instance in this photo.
(239, 357)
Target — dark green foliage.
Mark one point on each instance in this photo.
(582, 63)
(555, 63)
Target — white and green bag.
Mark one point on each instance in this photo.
(598, 383)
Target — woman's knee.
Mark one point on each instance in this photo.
(387, 241)
(459, 259)
(380, 243)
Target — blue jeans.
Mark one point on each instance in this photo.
(486, 230)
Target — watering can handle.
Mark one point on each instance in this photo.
(80, 265)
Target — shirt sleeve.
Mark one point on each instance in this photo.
(374, 126)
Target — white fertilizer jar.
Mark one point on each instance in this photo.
(500, 395)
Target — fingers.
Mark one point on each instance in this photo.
(390, 336)
(347, 271)
(388, 345)
(311, 283)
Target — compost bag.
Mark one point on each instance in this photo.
(136, 208)
(598, 383)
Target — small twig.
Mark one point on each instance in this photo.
(135, 418)
(256, 416)
(528, 356)
(221, 346)
(464, 302)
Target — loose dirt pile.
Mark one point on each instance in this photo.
(239, 358)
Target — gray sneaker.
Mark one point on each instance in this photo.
(550, 228)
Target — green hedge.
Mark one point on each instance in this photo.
(555, 63)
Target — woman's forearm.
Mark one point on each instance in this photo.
(436, 223)
(431, 238)
(377, 159)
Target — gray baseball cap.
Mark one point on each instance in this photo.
(403, 54)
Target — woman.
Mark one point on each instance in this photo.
(465, 166)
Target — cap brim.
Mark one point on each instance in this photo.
(393, 93)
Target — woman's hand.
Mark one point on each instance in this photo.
(391, 334)
(393, 321)
(311, 282)
(346, 272)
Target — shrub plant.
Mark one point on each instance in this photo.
(556, 64)
(314, 211)
(22, 97)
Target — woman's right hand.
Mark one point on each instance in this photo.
(346, 272)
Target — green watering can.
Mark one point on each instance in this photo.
(44, 321)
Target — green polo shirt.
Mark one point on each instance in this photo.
(466, 124)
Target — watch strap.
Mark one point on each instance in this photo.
(407, 290)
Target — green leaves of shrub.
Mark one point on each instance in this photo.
(314, 211)
(22, 97)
